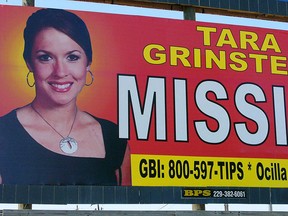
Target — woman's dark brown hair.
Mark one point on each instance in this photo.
(61, 20)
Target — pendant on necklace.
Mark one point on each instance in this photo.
(68, 145)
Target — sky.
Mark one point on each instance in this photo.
(116, 9)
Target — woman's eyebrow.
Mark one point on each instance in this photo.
(72, 51)
(41, 50)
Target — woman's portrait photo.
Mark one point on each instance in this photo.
(51, 140)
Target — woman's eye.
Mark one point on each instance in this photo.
(72, 57)
(44, 58)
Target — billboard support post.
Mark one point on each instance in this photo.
(198, 207)
(24, 206)
(28, 2)
(189, 13)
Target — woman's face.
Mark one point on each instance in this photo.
(59, 65)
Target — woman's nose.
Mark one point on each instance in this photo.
(59, 69)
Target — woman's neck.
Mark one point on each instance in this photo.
(59, 114)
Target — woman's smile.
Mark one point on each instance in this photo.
(61, 87)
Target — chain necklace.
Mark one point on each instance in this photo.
(67, 144)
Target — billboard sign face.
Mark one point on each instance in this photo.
(200, 104)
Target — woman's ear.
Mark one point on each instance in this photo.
(88, 67)
(29, 66)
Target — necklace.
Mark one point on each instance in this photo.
(67, 144)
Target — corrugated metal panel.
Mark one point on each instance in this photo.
(263, 9)
(126, 195)
(273, 7)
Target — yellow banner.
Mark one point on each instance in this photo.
(159, 170)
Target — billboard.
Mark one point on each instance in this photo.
(200, 104)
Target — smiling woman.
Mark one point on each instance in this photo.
(50, 140)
